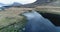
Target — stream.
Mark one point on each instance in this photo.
(37, 23)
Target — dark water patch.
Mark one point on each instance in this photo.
(54, 18)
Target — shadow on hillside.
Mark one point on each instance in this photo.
(54, 18)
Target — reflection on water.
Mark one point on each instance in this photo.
(54, 18)
(37, 23)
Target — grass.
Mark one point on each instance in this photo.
(12, 24)
(10, 21)
(48, 10)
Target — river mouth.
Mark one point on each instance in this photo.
(54, 18)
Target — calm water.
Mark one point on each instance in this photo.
(37, 23)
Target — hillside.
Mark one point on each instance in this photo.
(38, 3)
(56, 3)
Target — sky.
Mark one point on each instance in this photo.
(19, 1)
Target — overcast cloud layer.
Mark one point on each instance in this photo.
(19, 1)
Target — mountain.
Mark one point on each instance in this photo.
(16, 4)
(39, 3)
(5, 6)
(56, 3)
(13, 4)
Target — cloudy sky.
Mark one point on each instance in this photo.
(19, 1)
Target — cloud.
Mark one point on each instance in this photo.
(19, 1)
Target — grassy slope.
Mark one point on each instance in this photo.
(10, 21)
(12, 24)
(48, 9)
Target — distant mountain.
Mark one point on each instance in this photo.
(38, 3)
(13, 4)
(5, 6)
(16, 4)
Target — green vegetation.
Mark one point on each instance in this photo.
(12, 24)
